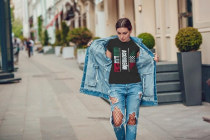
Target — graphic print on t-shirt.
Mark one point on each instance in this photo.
(132, 61)
(116, 59)
(123, 60)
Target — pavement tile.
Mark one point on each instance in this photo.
(47, 105)
(13, 137)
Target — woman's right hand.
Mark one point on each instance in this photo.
(89, 43)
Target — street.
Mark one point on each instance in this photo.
(46, 105)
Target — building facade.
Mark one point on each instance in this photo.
(161, 18)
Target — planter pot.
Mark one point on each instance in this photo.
(81, 55)
(152, 50)
(58, 50)
(205, 78)
(68, 52)
(46, 48)
(189, 65)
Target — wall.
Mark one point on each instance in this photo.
(201, 20)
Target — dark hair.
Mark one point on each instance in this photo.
(123, 22)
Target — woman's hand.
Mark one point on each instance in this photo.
(89, 43)
(156, 57)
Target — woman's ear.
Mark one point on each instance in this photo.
(131, 30)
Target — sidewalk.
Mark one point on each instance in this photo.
(47, 105)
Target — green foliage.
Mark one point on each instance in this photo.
(65, 30)
(188, 39)
(96, 38)
(17, 28)
(79, 36)
(40, 21)
(12, 14)
(148, 40)
(58, 39)
(46, 38)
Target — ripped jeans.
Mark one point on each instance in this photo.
(121, 97)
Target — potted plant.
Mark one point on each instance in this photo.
(58, 42)
(67, 50)
(188, 41)
(148, 40)
(96, 38)
(80, 36)
(46, 44)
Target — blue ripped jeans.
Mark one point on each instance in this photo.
(121, 97)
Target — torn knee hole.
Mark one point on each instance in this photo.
(117, 116)
(132, 119)
(113, 100)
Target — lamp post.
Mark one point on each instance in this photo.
(6, 39)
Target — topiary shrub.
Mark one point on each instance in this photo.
(79, 36)
(65, 30)
(46, 38)
(148, 40)
(58, 40)
(188, 39)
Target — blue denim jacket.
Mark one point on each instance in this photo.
(95, 80)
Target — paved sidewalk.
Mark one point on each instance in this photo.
(47, 105)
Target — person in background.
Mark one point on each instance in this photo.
(16, 50)
(28, 47)
(32, 46)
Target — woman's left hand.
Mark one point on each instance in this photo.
(156, 57)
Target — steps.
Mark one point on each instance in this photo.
(167, 80)
(6, 75)
(8, 78)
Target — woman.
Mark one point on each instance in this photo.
(125, 77)
(16, 50)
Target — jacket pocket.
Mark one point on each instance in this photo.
(91, 74)
(148, 84)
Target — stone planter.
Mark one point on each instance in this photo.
(189, 65)
(152, 50)
(68, 52)
(81, 55)
(46, 48)
(58, 50)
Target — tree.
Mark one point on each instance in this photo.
(17, 28)
(46, 38)
(65, 30)
(40, 21)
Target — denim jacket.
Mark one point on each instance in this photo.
(95, 80)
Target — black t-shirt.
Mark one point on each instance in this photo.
(28, 44)
(124, 70)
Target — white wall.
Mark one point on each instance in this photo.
(201, 20)
(26, 32)
(100, 20)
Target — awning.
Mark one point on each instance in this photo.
(51, 23)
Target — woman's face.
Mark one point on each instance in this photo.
(124, 34)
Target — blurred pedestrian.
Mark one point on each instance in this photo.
(28, 47)
(32, 46)
(16, 50)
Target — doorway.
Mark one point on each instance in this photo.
(185, 13)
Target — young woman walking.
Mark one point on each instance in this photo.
(126, 84)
